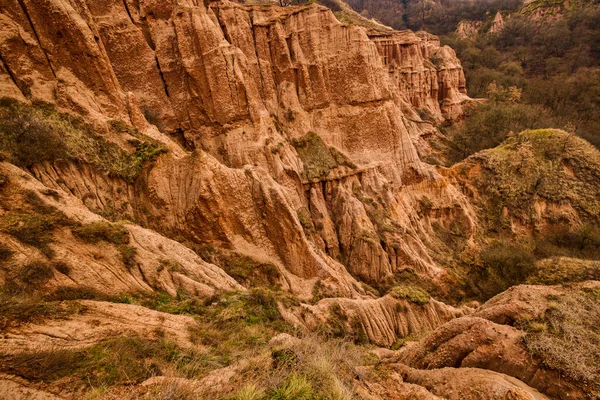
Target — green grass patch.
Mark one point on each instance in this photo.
(414, 294)
(122, 127)
(318, 159)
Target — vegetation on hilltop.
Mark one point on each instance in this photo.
(537, 197)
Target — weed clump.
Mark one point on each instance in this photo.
(28, 136)
(5, 253)
(249, 272)
(122, 127)
(504, 264)
(36, 273)
(34, 229)
(20, 309)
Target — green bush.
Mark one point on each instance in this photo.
(489, 125)
(27, 136)
(128, 254)
(414, 294)
(97, 231)
(122, 127)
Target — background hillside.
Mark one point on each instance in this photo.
(549, 51)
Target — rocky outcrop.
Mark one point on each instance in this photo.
(497, 23)
(468, 29)
(158, 263)
(382, 321)
(97, 321)
(493, 338)
(249, 101)
(429, 76)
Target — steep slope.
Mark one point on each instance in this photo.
(247, 87)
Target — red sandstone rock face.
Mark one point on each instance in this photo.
(240, 83)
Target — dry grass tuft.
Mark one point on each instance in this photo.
(567, 338)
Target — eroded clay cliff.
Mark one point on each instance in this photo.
(245, 87)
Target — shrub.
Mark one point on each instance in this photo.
(35, 273)
(331, 4)
(37, 133)
(506, 264)
(562, 240)
(128, 254)
(244, 269)
(489, 125)
(35, 226)
(250, 272)
(411, 293)
(62, 267)
(122, 127)
(5, 253)
(305, 220)
(33, 229)
(28, 137)
(97, 231)
(67, 293)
